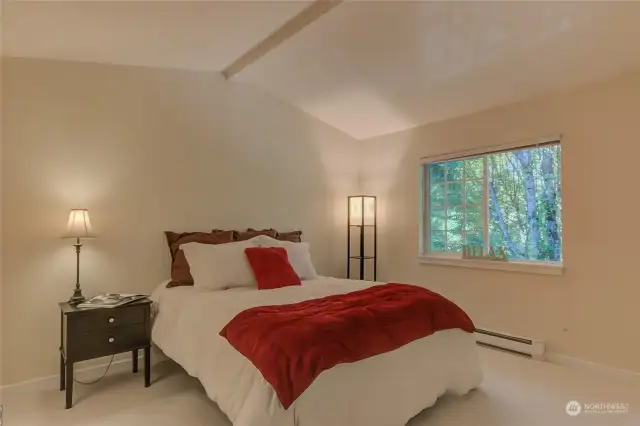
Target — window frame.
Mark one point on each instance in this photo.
(483, 205)
(427, 256)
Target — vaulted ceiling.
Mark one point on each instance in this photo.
(367, 68)
(173, 34)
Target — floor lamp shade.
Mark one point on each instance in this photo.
(361, 215)
(362, 210)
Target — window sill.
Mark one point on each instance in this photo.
(542, 268)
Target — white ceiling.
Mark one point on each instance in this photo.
(375, 68)
(367, 68)
(170, 34)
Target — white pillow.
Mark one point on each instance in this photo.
(298, 253)
(265, 241)
(219, 266)
(300, 259)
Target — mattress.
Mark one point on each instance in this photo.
(384, 390)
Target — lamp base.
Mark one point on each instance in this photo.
(77, 297)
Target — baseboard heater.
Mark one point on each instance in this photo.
(515, 345)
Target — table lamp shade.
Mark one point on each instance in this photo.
(79, 225)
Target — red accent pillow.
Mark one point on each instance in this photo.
(271, 267)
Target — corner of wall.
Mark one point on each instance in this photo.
(1, 204)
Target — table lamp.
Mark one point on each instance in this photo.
(79, 226)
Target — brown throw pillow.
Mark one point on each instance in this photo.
(180, 272)
(233, 232)
(250, 233)
(293, 236)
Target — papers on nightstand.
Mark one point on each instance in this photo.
(110, 300)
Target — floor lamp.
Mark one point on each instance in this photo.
(362, 212)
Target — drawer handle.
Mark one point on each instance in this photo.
(112, 320)
(111, 340)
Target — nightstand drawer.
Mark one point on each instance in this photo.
(108, 318)
(108, 342)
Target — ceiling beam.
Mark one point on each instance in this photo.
(290, 28)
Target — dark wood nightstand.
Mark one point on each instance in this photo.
(93, 333)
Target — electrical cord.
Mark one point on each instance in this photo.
(98, 379)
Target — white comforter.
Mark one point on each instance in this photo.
(384, 390)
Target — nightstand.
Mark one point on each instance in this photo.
(93, 333)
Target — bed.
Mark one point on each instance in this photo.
(383, 390)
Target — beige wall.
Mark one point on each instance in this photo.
(1, 310)
(146, 151)
(592, 311)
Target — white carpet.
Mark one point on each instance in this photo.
(516, 392)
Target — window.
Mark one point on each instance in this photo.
(507, 199)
